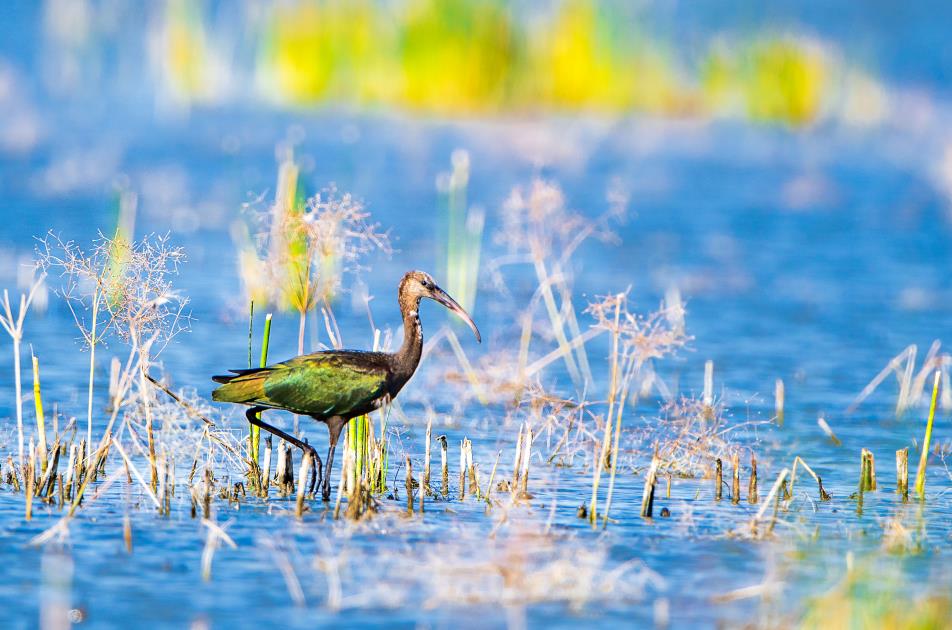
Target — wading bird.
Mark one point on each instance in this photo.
(336, 385)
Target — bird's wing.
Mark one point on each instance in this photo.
(322, 384)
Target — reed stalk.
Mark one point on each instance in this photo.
(146, 487)
(516, 469)
(14, 328)
(867, 474)
(409, 484)
(115, 365)
(526, 460)
(774, 497)
(708, 396)
(302, 485)
(548, 299)
(49, 477)
(70, 472)
(718, 478)
(465, 232)
(927, 440)
(287, 475)
(97, 296)
(251, 328)
(471, 375)
(471, 470)
(146, 403)
(825, 427)
(280, 465)
(612, 396)
(29, 483)
(254, 435)
(632, 365)
(752, 485)
(207, 489)
(161, 489)
(38, 406)
(569, 308)
(170, 474)
(445, 487)
(422, 492)
(735, 481)
(266, 468)
(127, 533)
(352, 478)
(462, 469)
(32, 461)
(426, 461)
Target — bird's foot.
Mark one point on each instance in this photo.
(317, 468)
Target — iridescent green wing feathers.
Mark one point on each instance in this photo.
(323, 384)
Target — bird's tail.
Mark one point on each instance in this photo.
(241, 387)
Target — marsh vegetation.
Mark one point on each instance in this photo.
(702, 363)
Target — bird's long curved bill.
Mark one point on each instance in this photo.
(444, 298)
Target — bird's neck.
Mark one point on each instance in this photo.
(408, 356)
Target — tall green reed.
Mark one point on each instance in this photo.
(464, 232)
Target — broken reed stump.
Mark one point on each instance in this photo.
(445, 488)
(526, 459)
(422, 491)
(752, 485)
(266, 469)
(867, 472)
(718, 478)
(516, 465)
(284, 473)
(462, 469)
(28, 478)
(902, 473)
(735, 481)
(127, 533)
(66, 486)
(471, 470)
(302, 485)
(409, 486)
(160, 489)
(778, 401)
(647, 496)
(207, 489)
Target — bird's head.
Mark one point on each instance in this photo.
(419, 284)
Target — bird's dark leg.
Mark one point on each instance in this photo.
(334, 425)
(317, 470)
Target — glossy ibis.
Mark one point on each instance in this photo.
(336, 385)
